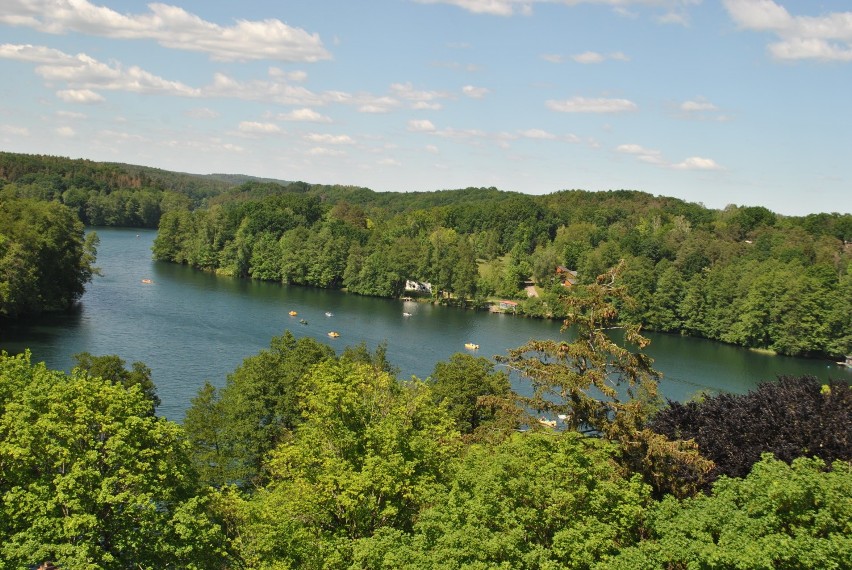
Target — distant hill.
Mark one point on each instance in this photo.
(238, 179)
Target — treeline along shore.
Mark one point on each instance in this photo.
(308, 458)
(741, 275)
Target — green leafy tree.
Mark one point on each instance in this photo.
(604, 388)
(474, 394)
(535, 501)
(112, 368)
(233, 430)
(368, 455)
(90, 479)
(779, 516)
(46, 259)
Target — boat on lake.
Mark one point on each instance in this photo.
(404, 314)
(329, 314)
(334, 334)
(303, 321)
(293, 313)
(471, 346)
(147, 281)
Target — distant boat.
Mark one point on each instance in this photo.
(303, 321)
(471, 346)
(329, 314)
(404, 314)
(547, 423)
(147, 281)
(333, 334)
(293, 313)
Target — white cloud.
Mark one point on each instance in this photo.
(329, 139)
(170, 26)
(297, 76)
(388, 162)
(591, 105)
(421, 126)
(524, 7)
(475, 92)
(14, 131)
(697, 106)
(322, 151)
(827, 37)
(65, 132)
(305, 115)
(655, 157)
(372, 104)
(537, 134)
(588, 57)
(253, 127)
(86, 73)
(648, 155)
(81, 72)
(409, 93)
(424, 106)
(432, 149)
(697, 163)
(84, 96)
(202, 113)
(71, 115)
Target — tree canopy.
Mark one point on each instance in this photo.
(90, 479)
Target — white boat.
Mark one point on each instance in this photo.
(329, 314)
(406, 314)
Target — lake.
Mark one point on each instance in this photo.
(190, 327)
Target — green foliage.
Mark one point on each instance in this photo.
(475, 396)
(45, 258)
(580, 380)
(779, 516)
(105, 194)
(534, 501)
(234, 429)
(111, 367)
(743, 275)
(368, 455)
(90, 479)
(603, 388)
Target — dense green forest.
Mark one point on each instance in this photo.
(45, 258)
(310, 459)
(742, 275)
(107, 194)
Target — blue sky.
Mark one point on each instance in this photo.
(744, 102)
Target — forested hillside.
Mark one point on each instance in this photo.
(742, 275)
(103, 193)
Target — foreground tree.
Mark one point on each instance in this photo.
(792, 417)
(475, 395)
(603, 388)
(232, 430)
(780, 516)
(111, 367)
(90, 479)
(370, 454)
(535, 501)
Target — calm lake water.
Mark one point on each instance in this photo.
(190, 327)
